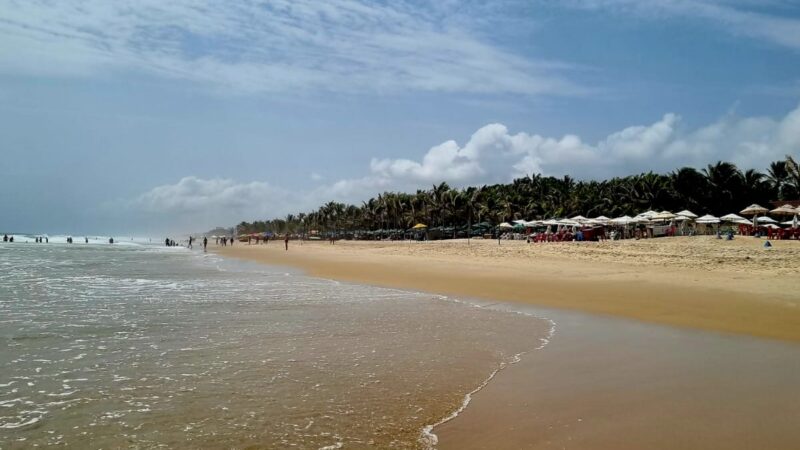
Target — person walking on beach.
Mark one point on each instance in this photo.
(190, 242)
(286, 241)
(205, 243)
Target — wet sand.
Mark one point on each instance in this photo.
(709, 380)
(730, 286)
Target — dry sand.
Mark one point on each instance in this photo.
(606, 382)
(700, 282)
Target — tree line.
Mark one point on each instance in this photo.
(717, 189)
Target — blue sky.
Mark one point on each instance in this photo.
(153, 116)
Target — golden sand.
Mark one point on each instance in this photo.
(700, 282)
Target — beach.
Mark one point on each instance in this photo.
(662, 343)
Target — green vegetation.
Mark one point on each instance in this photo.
(718, 189)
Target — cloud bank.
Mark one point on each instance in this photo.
(493, 154)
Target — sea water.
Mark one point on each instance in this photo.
(144, 346)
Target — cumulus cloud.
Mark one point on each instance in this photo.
(494, 154)
(271, 46)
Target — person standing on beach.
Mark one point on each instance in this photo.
(205, 243)
(190, 242)
(286, 241)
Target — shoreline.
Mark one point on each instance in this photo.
(750, 300)
(536, 404)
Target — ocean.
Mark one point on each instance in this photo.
(141, 346)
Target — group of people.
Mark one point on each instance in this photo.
(205, 242)
(7, 238)
(171, 243)
(224, 240)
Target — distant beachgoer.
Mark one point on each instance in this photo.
(190, 241)
(46, 240)
(205, 243)
(86, 239)
(5, 238)
(11, 239)
(286, 241)
(232, 240)
(111, 240)
(166, 242)
(767, 244)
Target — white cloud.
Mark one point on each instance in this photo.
(493, 154)
(270, 46)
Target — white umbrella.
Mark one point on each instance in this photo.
(624, 220)
(533, 223)
(550, 222)
(579, 219)
(765, 219)
(505, 225)
(732, 218)
(687, 213)
(522, 222)
(708, 218)
(663, 215)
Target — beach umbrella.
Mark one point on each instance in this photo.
(663, 215)
(686, 213)
(519, 226)
(787, 210)
(732, 218)
(533, 223)
(550, 222)
(754, 209)
(624, 220)
(765, 219)
(579, 218)
(569, 222)
(520, 222)
(601, 219)
(708, 219)
(419, 226)
(505, 225)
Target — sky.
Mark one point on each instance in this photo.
(150, 117)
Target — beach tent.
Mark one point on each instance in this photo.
(686, 213)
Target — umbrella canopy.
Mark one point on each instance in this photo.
(519, 226)
(686, 213)
(579, 219)
(663, 215)
(624, 220)
(569, 223)
(765, 219)
(419, 226)
(785, 210)
(520, 221)
(551, 222)
(731, 218)
(753, 209)
(505, 225)
(533, 223)
(708, 218)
